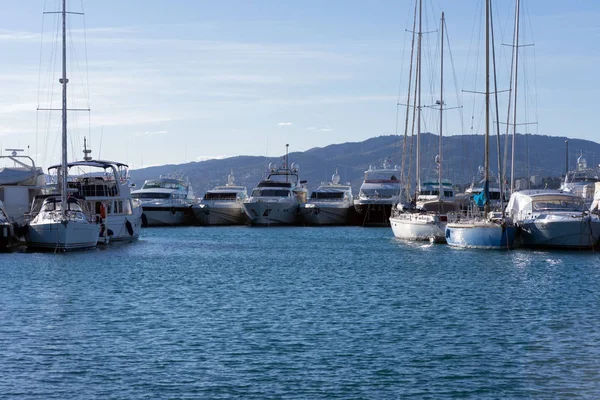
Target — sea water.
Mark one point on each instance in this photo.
(298, 313)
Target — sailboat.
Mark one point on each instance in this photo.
(435, 199)
(490, 230)
(61, 221)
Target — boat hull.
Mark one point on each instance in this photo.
(168, 216)
(373, 213)
(271, 213)
(72, 235)
(231, 213)
(417, 226)
(324, 214)
(480, 235)
(567, 233)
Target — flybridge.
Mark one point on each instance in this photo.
(274, 184)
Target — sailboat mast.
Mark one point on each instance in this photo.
(63, 81)
(441, 188)
(419, 66)
(486, 176)
(516, 50)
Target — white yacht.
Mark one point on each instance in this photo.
(581, 182)
(379, 191)
(222, 205)
(20, 181)
(277, 199)
(166, 201)
(330, 204)
(553, 219)
(105, 187)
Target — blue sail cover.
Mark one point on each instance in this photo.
(482, 198)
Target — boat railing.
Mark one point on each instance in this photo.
(467, 214)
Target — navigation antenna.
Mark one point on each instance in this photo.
(86, 152)
(286, 159)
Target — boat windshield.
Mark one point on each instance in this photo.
(150, 195)
(270, 193)
(55, 205)
(220, 196)
(380, 176)
(274, 184)
(163, 185)
(327, 195)
(582, 177)
(559, 204)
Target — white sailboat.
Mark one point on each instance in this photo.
(62, 223)
(434, 200)
(487, 230)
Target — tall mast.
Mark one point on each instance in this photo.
(441, 188)
(516, 50)
(486, 177)
(63, 81)
(419, 65)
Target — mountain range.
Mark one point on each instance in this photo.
(539, 155)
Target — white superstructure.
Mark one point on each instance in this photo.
(20, 181)
(581, 182)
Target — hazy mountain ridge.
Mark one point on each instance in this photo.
(545, 156)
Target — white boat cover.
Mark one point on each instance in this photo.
(13, 176)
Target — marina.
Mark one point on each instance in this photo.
(283, 201)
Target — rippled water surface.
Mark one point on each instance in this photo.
(298, 313)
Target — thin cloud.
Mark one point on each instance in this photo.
(284, 124)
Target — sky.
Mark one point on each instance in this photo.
(169, 82)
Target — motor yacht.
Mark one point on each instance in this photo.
(329, 204)
(379, 191)
(20, 181)
(553, 219)
(581, 182)
(105, 188)
(166, 201)
(276, 200)
(222, 205)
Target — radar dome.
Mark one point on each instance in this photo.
(295, 166)
(272, 166)
(335, 178)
